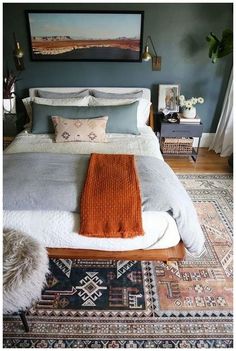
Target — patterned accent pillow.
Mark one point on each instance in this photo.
(92, 130)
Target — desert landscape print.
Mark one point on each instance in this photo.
(85, 36)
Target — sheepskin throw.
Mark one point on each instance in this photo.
(25, 265)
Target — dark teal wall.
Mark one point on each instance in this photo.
(178, 32)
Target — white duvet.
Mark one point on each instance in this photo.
(59, 229)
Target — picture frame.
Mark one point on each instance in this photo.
(85, 35)
(168, 98)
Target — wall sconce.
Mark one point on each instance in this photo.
(146, 56)
(18, 54)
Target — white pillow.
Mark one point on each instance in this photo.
(143, 110)
(55, 102)
(26, 102)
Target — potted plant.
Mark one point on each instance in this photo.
(9, 81)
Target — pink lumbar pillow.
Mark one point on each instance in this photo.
(93, 129)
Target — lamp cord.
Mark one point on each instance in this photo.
(149, 38)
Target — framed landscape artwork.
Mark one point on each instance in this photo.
(85, 36)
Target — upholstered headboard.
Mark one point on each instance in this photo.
(146, 92)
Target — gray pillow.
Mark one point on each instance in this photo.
(52, 95)
(103, 95)
(121, 119)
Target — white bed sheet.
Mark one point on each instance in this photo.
(146, 144)
(59, 229)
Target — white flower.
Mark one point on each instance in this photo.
(188, 104)
(194, 100)
(200, 100)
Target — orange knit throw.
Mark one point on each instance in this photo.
(110, 204)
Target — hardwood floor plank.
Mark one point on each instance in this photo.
(207, 162)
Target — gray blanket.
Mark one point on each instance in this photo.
(46, 181)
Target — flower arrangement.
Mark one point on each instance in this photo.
(188, 104)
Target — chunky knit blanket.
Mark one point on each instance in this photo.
(110, 203)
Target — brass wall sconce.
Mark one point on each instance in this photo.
(18, 54)
(146, 56)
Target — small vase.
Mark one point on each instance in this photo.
(189, 112)
(9, 105)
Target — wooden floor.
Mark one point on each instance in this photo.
(207, 162)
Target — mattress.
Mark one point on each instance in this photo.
(60, 229)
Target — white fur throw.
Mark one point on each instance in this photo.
(25, 265)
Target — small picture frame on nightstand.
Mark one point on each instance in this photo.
(168, 98)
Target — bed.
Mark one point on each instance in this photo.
(58, 230)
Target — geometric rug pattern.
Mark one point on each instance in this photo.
(131, 304)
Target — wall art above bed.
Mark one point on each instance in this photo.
(85, 35)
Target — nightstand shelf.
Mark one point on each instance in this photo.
(193, 154)
(177, 130)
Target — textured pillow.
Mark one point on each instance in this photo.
(82, 101)
(58, 102)
(54, 95)
(122, 119)
(92, 130)
(143, 110)
(104, 95)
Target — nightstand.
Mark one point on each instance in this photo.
(9, 128)
(178, 130)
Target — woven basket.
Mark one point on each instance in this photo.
(176, 145)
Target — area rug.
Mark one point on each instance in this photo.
(130, 304)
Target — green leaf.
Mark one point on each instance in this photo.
(226, 46)
(213, 46)
(220, 48)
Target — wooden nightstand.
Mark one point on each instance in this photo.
(9, 128)
(7, 141)
(177, 130)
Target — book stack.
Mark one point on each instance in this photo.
(183, 120)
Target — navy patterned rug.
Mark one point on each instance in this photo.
(79, 284)
(130, 304)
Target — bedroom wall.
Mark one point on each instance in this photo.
(178, 32)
